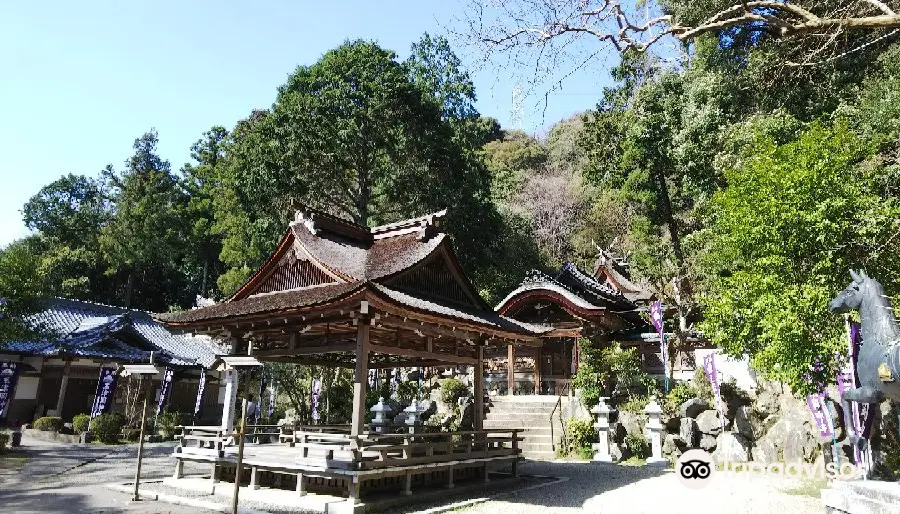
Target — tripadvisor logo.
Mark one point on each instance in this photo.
(696, 469)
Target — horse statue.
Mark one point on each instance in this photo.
(878, 361)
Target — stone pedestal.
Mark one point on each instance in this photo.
(654, 434)
(601, 448)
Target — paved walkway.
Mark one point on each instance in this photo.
(63, 478)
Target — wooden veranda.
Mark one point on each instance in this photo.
(338, 294)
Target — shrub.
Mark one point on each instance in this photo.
(452, 390)
(48, 424)
(612, 371)
(407, 391)
(80, 423)
(168, 420)
(636, 404)
(4, 441)
(132, 434)
(636, 444)
(679, 394)
(107, 427)
(702, 386)
(581, 435)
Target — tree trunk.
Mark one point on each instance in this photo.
(682, 288)
(129, 289)
(205, 274)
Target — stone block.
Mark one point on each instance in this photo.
(708, 422)
(692, 408)
(731, 447)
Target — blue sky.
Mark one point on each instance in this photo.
(79, 81)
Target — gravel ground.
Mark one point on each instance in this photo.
(608, 488)
(70, 478)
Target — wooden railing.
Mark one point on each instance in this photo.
(324, 447)
(372, 451)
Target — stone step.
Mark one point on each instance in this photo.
(528, 429)
(525, 420)
(539, 455)
(507, 407)
(536, 447)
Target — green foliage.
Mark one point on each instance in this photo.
(407, 391)
(48, 424)
(4, 441)
(635, 404)
(22, 283)
(793, 220)
(702, 386)
(636, 445)
(889, 469)
(167, 420)
(681, 393)
(580, 434)
(80, 423)
(452, 390)
(143, 241)
(107, 427)
(613, 372)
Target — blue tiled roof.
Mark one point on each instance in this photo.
(93, 330)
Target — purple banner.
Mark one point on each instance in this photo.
(9, 377)
(316, 389)
(106, 388)
(271, 409)
(164, 391)
(656, 316)
(198, 404)
(709, 368)
(819, 409)
(259, 398)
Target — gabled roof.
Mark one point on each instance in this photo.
(323, 263)
(320, 249)
(577, 293)
(91, 330)
(615, 273)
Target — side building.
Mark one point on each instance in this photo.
(603, 306)
(58, 375)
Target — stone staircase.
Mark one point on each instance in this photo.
(531, 413)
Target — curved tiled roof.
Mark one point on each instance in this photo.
(92, 330)
(361, 260)
(490, 319)
(263, 303)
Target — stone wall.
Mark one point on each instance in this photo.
(770, 425)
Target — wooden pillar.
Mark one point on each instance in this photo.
(62, 388)
(360, 377)
(479, 387)
(511, 369)
(537, 370)
(301, 485)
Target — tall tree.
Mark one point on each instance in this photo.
(144, 241)
(68, 214)
(202, 183)
(22, 285)
(794, 218)
(355, 135)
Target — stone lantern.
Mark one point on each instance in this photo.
(382, 420)
(412, 416)
(654, 434)
(601, 448)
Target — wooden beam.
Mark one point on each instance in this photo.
(406, 352)
(360, 378)
(308, 350)
(310, 361)
(478, 370)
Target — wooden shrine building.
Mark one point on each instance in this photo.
(339, 294)
(605, 305)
